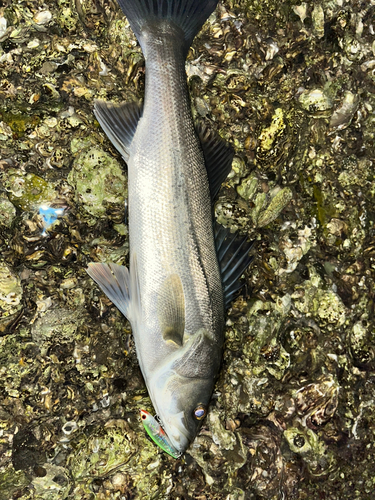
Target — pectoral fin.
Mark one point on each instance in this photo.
(171, 310)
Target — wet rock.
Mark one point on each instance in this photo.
(291, 88)
(99, 183)
(52, 484)
(10, 297)
(27, 191)
(56, 325)
(7, 211)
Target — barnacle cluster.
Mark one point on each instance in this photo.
(96, 194)
(291, 86)
(10, 296)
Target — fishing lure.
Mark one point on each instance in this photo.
(157, 434)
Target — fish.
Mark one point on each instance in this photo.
(184, 269)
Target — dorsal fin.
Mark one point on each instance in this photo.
(119, 122)
(171, 310)
(233, 255)
(218, 158)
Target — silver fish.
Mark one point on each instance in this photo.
(180, 278)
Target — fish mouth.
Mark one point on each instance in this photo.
(176, 432)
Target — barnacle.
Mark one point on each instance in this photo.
(10, 297)
(99, 183)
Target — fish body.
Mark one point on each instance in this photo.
(174, 293)
(170, 221)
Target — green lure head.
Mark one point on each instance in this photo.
(157, 434)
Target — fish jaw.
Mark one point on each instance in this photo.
(177, 432)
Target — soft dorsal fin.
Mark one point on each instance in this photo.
(120, 286)
(218, 158)
(233, 255)
(119, 122)
(171, 310)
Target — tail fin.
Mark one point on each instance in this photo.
(188, 15)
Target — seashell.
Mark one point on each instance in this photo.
(10, 296)
(3, 26)
(272, 49)
(43, 17)
(301, 11)
(69, 427)
(315, 101)
(343, 115)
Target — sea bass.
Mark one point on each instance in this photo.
(183, 271)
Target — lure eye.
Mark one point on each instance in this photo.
(143, 415)
(200, 412)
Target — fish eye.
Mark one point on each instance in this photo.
(200, 412)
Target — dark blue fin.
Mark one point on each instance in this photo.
(233, 255)
(218, 158)
(188, 15)
(119, 122)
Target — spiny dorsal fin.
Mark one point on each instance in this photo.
(119, 122)
(218, 158)
(233, 255)
(171, 310)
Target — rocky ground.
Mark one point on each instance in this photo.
(291, 85)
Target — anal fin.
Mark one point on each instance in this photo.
(120, 286)
(233, 255)
(218, 158)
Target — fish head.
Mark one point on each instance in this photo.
(181, 407)
(181, 389)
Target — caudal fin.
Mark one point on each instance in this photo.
(188, 15)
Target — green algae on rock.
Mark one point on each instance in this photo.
(56, 325)
(12, 481)
(263, 207)
(324, 305)
(27, 191)
(99, 183)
